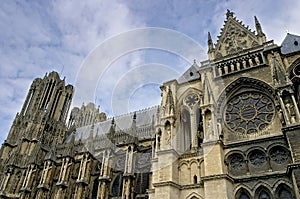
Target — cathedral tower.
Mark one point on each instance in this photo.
(40, 122)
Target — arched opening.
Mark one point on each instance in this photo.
(294, 75)
(242, 194)
(186, 129)
(236, 164)
(284, 192)
(257, 158)
(158, 139)
(279, 155)
(208, 123)
(195, 179)
(168, 132)
(262, 193)
(117, 186)
(95, 189)
(200, 133)
(142, 183)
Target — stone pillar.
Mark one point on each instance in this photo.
(64, 171)
(129, 162)
(104, 178)
(5, 181)
(165, 175)
(128, 187)
(103, 188)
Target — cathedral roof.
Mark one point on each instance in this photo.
(144, 118)
(190, 74)
(290, 44)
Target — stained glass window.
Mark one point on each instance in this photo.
(249, 112)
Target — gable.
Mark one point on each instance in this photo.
(234, 37)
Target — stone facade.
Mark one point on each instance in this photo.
(227, 128)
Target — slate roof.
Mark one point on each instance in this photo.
(190, 74)
(290, 44)
(144, 119)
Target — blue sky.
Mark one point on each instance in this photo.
(40, 36)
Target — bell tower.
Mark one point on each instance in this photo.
(40, 122)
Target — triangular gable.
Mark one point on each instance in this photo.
(234, 37)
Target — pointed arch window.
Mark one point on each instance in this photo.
(264, 195)
(95, 189)
(284, 193)
(242, 194)
(200, 132)
(117, 186)
(186, 129)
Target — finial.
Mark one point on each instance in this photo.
(229, 13)
(258, 26)
(209, 37)
(134, 115)
(195, 61)
(113, 120)
(210, 43)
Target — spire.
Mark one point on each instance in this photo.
(210, 43)
(258, 26)
(260, 34)
(72, 141)
(112, 130)
(170, 103)
(91, 136)
(133, 125)
(211, 49)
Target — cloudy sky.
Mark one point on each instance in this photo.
(74, 38)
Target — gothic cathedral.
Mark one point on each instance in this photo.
(226, 129)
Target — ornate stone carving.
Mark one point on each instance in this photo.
(237, 162)
(279, 155)
(257, 158)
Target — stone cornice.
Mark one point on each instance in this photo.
(264, 175)
(167, 183)
(166, 151)
(243, 143)
(291, 167)
(217, 176)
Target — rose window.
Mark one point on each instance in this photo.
(249, 112)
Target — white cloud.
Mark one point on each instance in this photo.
(40, 36)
